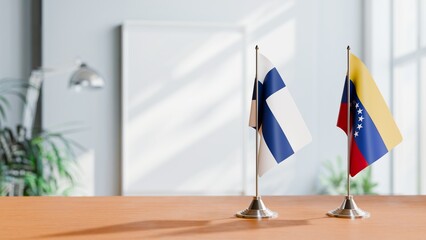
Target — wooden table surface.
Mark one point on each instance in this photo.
(300, 217)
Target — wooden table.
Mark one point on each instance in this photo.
(300, 217)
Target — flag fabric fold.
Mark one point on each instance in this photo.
(373, 131)
(282, 129)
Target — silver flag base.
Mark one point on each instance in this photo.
(348, 209)
(257, 209)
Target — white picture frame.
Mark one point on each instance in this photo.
(184, 108)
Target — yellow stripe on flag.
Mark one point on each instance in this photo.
(373, 102)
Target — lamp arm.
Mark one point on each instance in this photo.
(33, 93)
(82, 77)
(32, 96)
(49, 71)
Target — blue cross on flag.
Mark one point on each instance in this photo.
(281, 126)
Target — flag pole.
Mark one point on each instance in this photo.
(257, 123)
(348, 130)
(257, 208)
(348, 209)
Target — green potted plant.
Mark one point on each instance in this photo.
(333, 180)
(42, 164)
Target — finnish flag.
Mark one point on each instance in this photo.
(282, 129)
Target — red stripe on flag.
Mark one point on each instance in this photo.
(358, 161)
(343, 116)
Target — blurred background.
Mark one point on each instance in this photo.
(172, 116)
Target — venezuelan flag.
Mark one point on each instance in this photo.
(373, 131)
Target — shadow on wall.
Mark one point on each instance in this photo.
(187, 100)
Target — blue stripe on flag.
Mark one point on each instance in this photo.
(345, 91)
(368, 139)
(272, 83)
(274, 136)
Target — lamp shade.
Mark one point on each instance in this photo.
(86, 77)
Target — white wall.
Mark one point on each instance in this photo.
(305, 39)
(15, 48)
